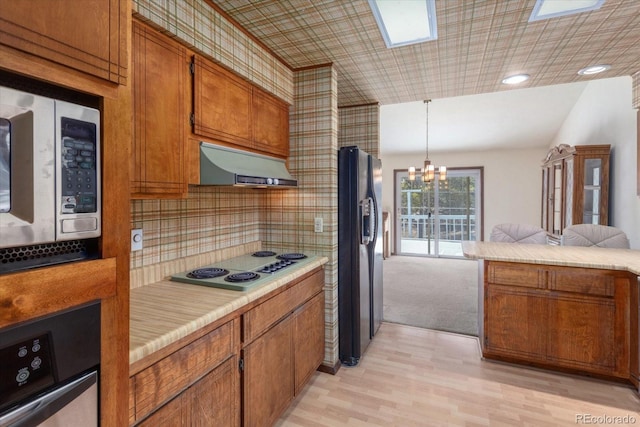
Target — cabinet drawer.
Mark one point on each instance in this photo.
(529, 276)
(584, 282)
(163, 380)
(260, 318)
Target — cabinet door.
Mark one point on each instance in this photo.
(557, 202)
(173, 414)
(222, 104)
(66, 32)
(215, 399)
(270, 124)
(545, 199)
(160, 122)
(581, 332)
(268, 375)
(513, 322)
(308, 339)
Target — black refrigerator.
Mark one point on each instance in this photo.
(359, 252)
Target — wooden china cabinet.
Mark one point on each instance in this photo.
(575, 187)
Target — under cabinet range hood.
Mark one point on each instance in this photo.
(227, 166)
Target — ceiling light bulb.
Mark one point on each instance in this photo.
(594, 69)
(515, 79)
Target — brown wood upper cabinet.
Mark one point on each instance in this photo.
(160, 115)
(221, 104)
(230, 110)
(65, 32)
(270, 123)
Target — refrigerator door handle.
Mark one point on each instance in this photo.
(366, 221)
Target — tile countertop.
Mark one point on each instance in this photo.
(571, 256)
(164, 312)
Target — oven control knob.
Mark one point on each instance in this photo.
(23, 375)
(22, 352)
(36, 362)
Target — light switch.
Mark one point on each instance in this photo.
(317, 225)
(136, 239)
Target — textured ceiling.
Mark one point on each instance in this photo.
(479, 42)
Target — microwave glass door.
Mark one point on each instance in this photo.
(5, 165)
(27, 171)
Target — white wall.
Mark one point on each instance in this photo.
(512, 181)
(604, 115)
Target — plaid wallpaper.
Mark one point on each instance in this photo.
(218, 220)
(479, 43)
(200, 27)
(314, 161)
(211, 218)
(360, 126)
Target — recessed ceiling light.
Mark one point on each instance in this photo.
(404, 22)
(545, 9)
(515, 79)
(594, 69)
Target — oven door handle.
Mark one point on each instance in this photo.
(43, 408)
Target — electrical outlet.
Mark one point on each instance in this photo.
(317, 225)
(136, 239)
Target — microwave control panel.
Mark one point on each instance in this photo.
(79, 167)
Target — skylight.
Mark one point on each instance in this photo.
(545, 9)
(404, 22)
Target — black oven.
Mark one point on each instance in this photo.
(49, 370)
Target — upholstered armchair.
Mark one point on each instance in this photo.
(518, 233)
(603, 236)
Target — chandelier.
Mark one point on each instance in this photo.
(429, 170)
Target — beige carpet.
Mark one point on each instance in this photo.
(432, 293)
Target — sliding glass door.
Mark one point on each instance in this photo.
(433, 218)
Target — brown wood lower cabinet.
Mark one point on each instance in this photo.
(201, 383)
(308, 339)
(211, 401)
(279, 362)
(574, 319)
(195, 384)
(268, 375)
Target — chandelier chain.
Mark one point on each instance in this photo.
(427, 101)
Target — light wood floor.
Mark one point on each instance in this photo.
(419, 377)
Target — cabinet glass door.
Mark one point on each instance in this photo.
(545, 197)
(568, 192)
(592, 191)
(557, 199)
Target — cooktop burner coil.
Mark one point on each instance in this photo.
(207, 273)
(245, 276)
(291, 256)
(262, 254)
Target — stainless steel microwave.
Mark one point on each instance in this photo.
(50, 188)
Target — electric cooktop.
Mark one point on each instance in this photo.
(244, 272)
